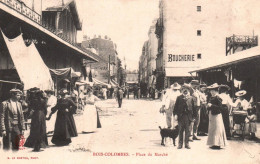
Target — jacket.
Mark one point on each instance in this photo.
(184, 106)
(6, 116)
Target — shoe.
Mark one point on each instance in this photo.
(191, 140)
(179, 147)
(187, 147)
(195, 138)
(215, 147)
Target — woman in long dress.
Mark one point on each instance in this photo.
(38, 105)
(226, 105)
(90, 115)
(65, 126)
(216, 132)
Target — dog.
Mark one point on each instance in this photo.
(167, 132)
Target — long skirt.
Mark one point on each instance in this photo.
(216, 131)
(65, 128)
(90, 118)
(204, 120)
(225, 116)
(38, 136)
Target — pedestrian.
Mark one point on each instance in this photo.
(119, 96)
(139, 93)
(252, 118)
(104, 90)
(51, 102)
(241, 103)
(226, 106)
(38, 106)
(169, 102)
(12, 120)
(197, 103)
(183, 111)
(90, 115)
(204, 117)
(216, 133)
(65, 126)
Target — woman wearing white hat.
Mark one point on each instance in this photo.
(241, 103)
(216, 133)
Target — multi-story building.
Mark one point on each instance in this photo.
(143, 62)
(106, 50)
(52, 28)
(191, 34)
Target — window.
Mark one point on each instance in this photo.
(198, 32)
(198, 56)
(199, 8)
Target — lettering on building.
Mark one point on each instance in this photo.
(177, 58)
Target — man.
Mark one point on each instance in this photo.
(169, 102)
(12, 120)
(120, 95)
(197, 103)
(183, 111)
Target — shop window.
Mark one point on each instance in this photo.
(199, 8)
(198, 32)
(198, 56)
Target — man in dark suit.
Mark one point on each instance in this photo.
(120, 95)
(12, 120)
(183, 112)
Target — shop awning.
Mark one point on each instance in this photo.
(96, 81)
(238, 57)
(64, 73)
(178, 72)
(30, 67)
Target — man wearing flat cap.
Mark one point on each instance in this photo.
(12, 120)
(169, 100)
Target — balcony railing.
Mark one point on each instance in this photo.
(21, 8)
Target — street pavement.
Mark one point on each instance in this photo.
(131, 135)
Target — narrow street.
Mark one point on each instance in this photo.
(133, 131)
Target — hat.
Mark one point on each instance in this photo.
(49, 91)
(66, 80)
(194, 82)
(222, 86)
(203, 85)
(186, 86)
(14, 90)
(240, 93)
(63, 91)
(175, 86)
(213, 86)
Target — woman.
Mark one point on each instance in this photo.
(65, 127)
(90, 115)
(38, 106)
(226, 106)
(241, 103)
(216, 132)
(204, 117)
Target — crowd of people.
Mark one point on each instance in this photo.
(40, 106)
(202, 110)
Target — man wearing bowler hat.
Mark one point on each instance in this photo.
(12, 120)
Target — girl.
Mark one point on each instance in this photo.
(252, 122)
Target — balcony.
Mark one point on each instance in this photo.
(22, 9)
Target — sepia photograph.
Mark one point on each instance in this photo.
(129, 81)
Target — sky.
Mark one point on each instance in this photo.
(126, 22)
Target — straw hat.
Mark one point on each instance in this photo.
(222, 86)
(194, 82)
(175, 86)
(240, 93)
(213, 86)
(186, 86)
(14, 90)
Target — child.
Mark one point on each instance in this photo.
(252, 122)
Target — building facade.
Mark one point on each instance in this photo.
(56, 44)
(106, 50)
